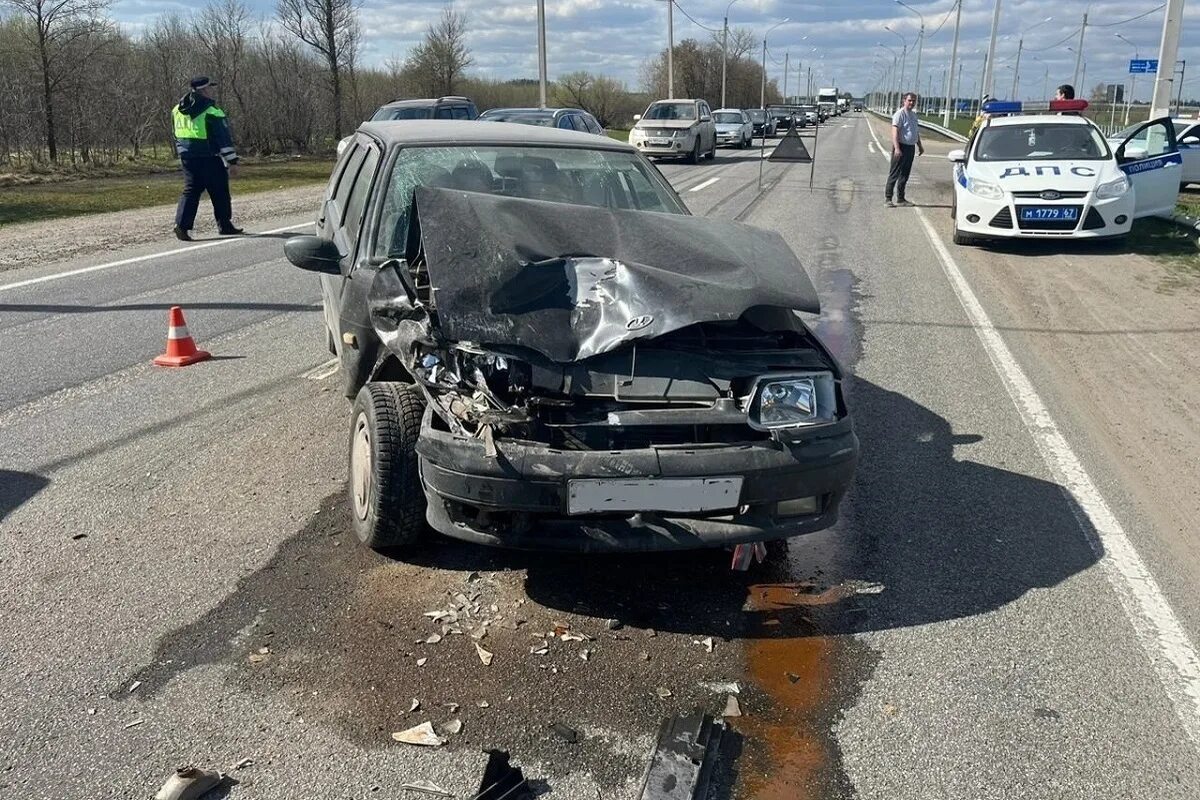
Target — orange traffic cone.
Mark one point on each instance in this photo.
(181, 350)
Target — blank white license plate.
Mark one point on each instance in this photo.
(684, 495)
(659, 142)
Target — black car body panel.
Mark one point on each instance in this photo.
(575, 281)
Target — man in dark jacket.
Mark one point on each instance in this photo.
(206, 153)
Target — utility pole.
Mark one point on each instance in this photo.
(990, 58)
(1168, 50)
(725, 49)
(785, 74)
(1079, 89)
(541, 23)
(670, 50)
(1179, 98)
(1132, 78)
(953, 58)
(1017, 69)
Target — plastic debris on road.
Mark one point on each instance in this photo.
(732, 707)
(683, 762)
(450, 728)
(425, 787)
(423, 735)
(662, 692)
(706, 643)
(484, 655)
(189, 783)
(565, 732)
(722, 687)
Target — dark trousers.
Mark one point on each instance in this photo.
(202, 175)
(898, 174)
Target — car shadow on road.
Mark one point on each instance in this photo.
(17, 488)
(927, 535)
(62, 308)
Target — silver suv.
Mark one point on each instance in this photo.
(676, 129)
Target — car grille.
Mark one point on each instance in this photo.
(1002, 219)
(1050, 224)
(1038, 195)
(656, 131)
(1093, 220)
(636, 437)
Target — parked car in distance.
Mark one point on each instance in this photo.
(538, 361)
(569, 119)
(449, 107)
(733, 127)
(810, 113)
(764, 124)
(675, 129)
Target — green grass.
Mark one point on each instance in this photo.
(43, 201)
(618, 134)
(1189, 203)
(960, 125)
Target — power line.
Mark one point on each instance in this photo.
(1064, 40)
(693, 19)
(1131, 19)
(944, 19)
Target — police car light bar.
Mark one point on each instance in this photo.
(1018, 107)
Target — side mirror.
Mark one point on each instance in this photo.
(957, 155)
(636, 117)
(1193, 139)
(314, 254)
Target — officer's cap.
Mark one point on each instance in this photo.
(202, 82)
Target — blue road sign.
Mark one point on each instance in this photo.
(1143, 66)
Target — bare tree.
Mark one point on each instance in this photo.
(603, 97)
(223, 28)
(56, 26)
(331, 28)
(439, 62)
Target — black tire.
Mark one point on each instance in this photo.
(694, 156)
(387, 503)
(712, 154)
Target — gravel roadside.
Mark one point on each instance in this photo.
(62, 239)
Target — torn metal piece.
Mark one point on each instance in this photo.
(683, 761)
(189, 783)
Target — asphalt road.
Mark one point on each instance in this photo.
(1006, 610)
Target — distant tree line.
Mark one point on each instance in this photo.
(76, 88)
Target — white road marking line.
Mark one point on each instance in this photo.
(870, 147)
(707, 183)
(322, 371)
(1158, 630)
(137, 259)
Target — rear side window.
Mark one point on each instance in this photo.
(444, 112)
(564, 122)
(460, 112)
(592, 125)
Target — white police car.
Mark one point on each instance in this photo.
(1038, 173)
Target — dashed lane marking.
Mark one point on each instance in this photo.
(700, 186)
(149, 257)
(1157, 628)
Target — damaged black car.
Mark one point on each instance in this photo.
(546, 351)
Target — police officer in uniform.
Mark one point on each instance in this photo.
(206, 153)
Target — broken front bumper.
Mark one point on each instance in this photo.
(520, 498)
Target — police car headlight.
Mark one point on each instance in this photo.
(1113, 188)
(793, 401)
(989, 191)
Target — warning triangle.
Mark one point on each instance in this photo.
(791, 148)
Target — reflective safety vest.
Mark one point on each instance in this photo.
(187, 127)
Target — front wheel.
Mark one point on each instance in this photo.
(694, 156)
(386, 498)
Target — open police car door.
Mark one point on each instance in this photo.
(1151, 160)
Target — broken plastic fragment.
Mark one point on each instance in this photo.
(540, 649)
(189, 783)
(484, 655)
(732, 707)
(133, 686)
(134, 724)
(421, 662)
(425, 787)
(663, 692)
(453, 707)
(422, 735)
(483, 704)
(245, 762)
(433, 638)
(585, 654)
(565, 732)
(791, 676)
(415, 705)
(450, 728)
(706, 643)
(719, 687)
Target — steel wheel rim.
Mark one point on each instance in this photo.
(360, 467)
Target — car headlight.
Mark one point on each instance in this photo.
(682, 133)
(984, 189)
(1113, 188)
(793, 401)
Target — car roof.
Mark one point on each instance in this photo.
(531, 110)
(426, 101)
(1045, 119)
(730, 110)
(470, 132)
(674, 100)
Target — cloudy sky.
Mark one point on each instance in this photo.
(838, 39)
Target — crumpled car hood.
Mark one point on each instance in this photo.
(575, 281)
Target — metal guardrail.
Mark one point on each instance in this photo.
(938, 129)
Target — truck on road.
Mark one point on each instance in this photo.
(827, 101)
